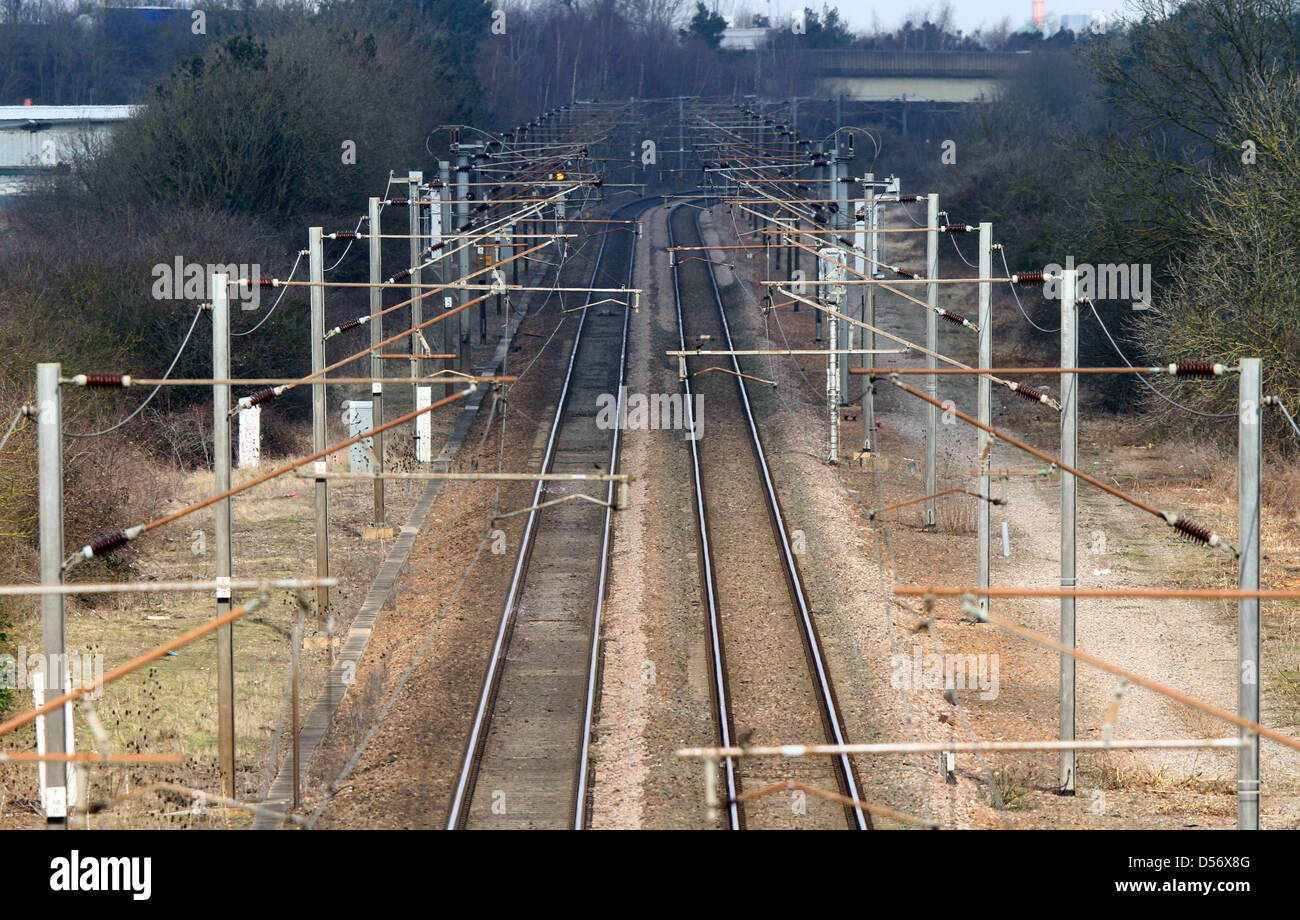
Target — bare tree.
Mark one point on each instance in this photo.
(1234, 294)
(652, 15)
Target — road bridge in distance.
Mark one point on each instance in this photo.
(913, 76)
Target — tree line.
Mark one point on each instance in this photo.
(1165, 141)
(1169, 142)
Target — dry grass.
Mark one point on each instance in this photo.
(170, 707)
(1016, 785)
(1286, 685)
(1281, 492)
(1142, 778)
(956, 514)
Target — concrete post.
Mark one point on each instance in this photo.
(860, 242)
(450, 328)
(49, 447)
(840, 189)
(377, 363)
(1249, 432)
(223, 530)
(819, 174)
(985, 401)
(932, 343)
(1069, 515)
(681, 138)
(827, 270)
(318, 431)
(462, 261)
(413, 180)
(869, 401)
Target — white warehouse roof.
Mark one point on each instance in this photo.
(16, 116)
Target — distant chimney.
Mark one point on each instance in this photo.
(1040, 19)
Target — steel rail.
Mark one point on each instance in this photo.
(462, 795)
(709, 580)
(593, 665)
(812, 645)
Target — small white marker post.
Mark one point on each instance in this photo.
(250, 438)
(359, 417)
(56, 801)
(424, 425)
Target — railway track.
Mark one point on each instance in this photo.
(768, 676)
(525, 763)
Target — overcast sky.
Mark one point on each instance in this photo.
(968, 14)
